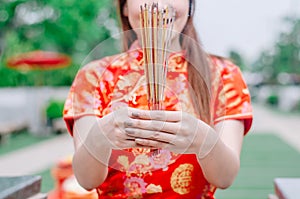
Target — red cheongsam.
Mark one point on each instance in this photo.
(105, 85)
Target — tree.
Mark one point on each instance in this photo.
(284, 56)
(72, 27)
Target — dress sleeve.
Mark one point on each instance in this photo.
(88, 94)
(233, 99)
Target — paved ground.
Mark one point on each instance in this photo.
(42, 156)
(36, 158)
(286, 126)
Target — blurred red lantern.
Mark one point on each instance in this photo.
(38, 60)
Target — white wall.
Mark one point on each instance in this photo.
(27, 104)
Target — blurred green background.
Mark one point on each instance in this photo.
(76, 27)
(71, 27)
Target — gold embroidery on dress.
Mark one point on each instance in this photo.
(181, 179)
(140, 166)
(208, 191)
(123, 160)
(139, 151)
(152, 188)
(128, 95)
(231, 94)
(246, 91)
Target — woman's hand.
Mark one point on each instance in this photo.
(176, 131)
(96, 134)
(113, 125)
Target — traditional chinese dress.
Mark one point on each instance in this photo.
(105, 85)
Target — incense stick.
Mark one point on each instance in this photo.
(156, 32)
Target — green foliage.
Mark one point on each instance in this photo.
(273, 100)
(54, 109)
(284, 57)
(70, 26)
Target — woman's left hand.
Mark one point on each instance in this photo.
(176, 131)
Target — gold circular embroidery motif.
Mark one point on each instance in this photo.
(181, 179)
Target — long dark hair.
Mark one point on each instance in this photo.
(199, 75)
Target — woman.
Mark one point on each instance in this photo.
(187, 151)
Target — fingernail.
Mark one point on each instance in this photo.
(135, 114)
(128, 123)
(139, 141)
(129, 131)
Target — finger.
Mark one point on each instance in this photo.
(153, 135)
(153, 125)
(151, 143)
(126, 144)
(119, 134)
(134, 144)
(169, 116)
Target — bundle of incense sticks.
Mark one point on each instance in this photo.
(156, 32)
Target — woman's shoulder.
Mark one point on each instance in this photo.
(224, 66)
(222, 62)
(100, 64)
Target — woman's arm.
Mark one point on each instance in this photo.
(94, 140)
(221, 160)
(90, 159)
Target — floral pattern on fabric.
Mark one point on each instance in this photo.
(143, 164)
(232, 94)
(113, 82)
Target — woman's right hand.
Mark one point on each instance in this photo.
(112, 126)
(107, 132)
(94, 139)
